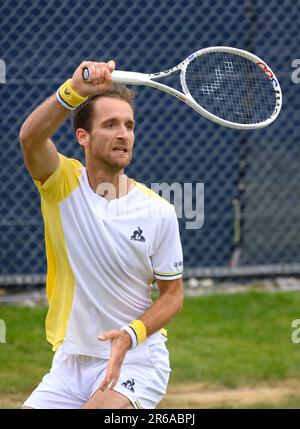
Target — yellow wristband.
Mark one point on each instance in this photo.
(68, 97)
(139, 329)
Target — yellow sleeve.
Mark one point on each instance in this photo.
(62, 182)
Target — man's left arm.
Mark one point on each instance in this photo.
(164, 309)
(161, 312)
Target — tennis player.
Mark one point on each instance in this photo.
(108, 238)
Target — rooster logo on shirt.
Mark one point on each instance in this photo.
(137, 235)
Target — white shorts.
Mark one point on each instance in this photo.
(73, 379)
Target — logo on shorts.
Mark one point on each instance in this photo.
(137, 235)
(129, 384)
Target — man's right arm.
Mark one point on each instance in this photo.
(40, 154)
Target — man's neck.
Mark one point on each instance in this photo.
(109, 185)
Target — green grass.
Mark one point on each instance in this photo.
(26, 355)
(235, 340)
(230, 340)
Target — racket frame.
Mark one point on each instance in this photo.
(134, 78)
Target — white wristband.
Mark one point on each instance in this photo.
(130, 331)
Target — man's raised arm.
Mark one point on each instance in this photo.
(40, 154)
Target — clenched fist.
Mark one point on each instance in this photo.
(100, 74)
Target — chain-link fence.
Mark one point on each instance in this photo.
(251, 179)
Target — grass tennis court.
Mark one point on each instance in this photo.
(221, 343)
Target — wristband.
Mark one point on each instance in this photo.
(132, 335)
(137, 331)
(67, 97)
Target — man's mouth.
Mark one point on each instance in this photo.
(120, 149)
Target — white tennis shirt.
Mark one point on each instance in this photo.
(102, 257)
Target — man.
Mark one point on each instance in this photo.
(107, 238)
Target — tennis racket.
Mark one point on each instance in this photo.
(229, 86)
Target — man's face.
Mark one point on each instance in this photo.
(112, 133)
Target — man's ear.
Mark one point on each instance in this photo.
(82, 136)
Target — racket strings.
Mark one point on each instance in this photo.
(231, 87)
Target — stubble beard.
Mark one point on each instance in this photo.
(108, 163)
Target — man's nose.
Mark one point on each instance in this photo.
(123, 132)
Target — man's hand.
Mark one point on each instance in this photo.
(100, 74)
(120, 344)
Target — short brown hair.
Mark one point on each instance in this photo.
(83, 114)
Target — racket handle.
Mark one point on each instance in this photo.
(118, 76)
(86, 74)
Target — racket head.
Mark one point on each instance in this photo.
(231, 87)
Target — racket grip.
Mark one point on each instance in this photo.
(124, 77)
(86, 74)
